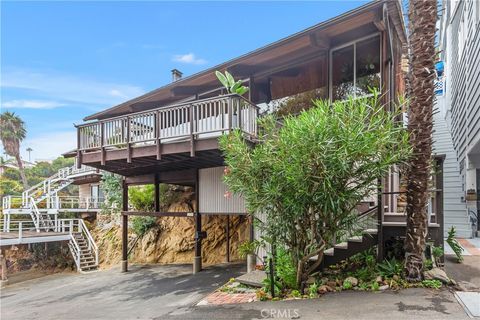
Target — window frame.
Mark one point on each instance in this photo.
(347, 44)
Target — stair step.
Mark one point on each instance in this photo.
(370, 231)
(329, 252)
(356, 239)
(342, 246)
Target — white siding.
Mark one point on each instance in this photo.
(212, 193)
(454, 208)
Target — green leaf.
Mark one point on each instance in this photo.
(222, 79)
(241, 90)
(231, 80)
(235, 86)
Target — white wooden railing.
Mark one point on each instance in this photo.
(199, 119)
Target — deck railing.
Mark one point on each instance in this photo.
(196, 119)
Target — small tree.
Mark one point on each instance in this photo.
(307, 175)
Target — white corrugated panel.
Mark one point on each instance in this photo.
(212, 193)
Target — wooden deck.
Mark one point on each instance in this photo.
(26, 237)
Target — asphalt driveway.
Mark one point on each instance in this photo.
(145, 292)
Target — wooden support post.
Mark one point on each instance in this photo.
(228, 238)
(157, 194)
(197, 260)
(125, 228)
(3, 264)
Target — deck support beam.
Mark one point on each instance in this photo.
(125, 228)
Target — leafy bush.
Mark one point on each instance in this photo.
(142, 198)
(247, 247)
(307, 175)
(453, 243)
(140, 225)
(313, 290)
(111, 185)
(285, 269)
(389, 268)
(347, 285)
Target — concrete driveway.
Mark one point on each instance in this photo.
(145, 292)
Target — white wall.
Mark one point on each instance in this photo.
(212, 191)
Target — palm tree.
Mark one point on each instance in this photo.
(12, 132)
(422, 17)
(29, 150)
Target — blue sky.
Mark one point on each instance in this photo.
(61, 61)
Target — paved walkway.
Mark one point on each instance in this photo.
(408, 304)
(146, 292)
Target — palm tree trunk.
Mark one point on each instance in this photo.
(422, 19)
(22, 171)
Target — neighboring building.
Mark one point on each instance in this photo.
(12, 164)
(457, 123)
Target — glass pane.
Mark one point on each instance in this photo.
(368, 65)
(94, 192)
(342, 73)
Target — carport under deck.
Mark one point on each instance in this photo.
(169, 145)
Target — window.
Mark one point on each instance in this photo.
(355, 68)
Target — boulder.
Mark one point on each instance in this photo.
(383, 288)
(352, 280)
(437, 274)
(379, 279)
(324, 289)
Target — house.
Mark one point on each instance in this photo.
(457, 122)
(169, 135)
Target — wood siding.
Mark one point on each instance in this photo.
(212, 191)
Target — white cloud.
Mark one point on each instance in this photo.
(189, 58)
(68, 88)
(32, 104)
(50, 145)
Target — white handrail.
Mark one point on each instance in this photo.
(91, 242)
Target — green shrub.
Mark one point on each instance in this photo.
(140, 225)
(247, 247)
(453, 243)
(313, 290)
(285, 269)
(347, 285)
(142, 198)
(389, 268)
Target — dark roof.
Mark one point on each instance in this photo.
(269, 57)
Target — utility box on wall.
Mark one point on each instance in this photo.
(212, 192)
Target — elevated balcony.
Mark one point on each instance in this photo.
(166, 136)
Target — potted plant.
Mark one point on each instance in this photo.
(248, 249)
